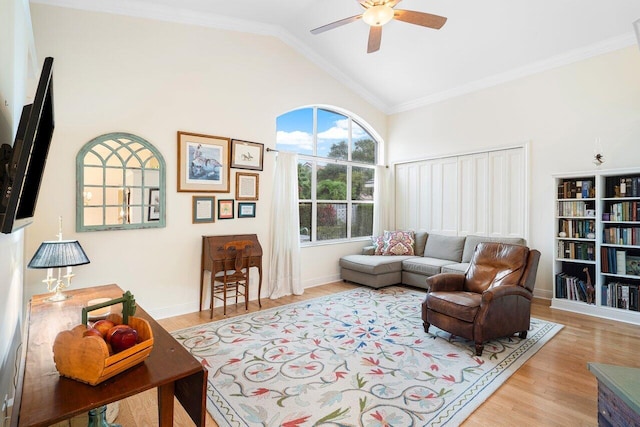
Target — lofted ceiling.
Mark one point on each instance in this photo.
(483, 43)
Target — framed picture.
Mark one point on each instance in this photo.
(154, 205)
(632, 266)
(246, 210)
(246, 155)
(225, 208)
(203, 208)
(203, 163)
(247, 186)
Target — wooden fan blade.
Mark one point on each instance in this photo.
(375, 36)
(335, 24)
(420, 18)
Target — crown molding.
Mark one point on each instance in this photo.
(184, 16)
(570, 57)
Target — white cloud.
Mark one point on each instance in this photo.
(340, 131)
(296, 138)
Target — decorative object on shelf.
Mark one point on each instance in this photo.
(225, 209)
(247, 186)
(246, 210)
(203, 209)
(203, 163)
(590, 289)
(246, 155)
(57, 254)
(562, 234)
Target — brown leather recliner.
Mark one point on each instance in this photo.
(491, 300)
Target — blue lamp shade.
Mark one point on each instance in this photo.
(58, 253)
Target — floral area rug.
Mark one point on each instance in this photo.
(356, 358)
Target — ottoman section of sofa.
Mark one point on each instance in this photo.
(375, 271)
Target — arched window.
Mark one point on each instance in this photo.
(121, 184)
(336, 172)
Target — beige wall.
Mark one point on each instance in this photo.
(560, 112)
(115, 73)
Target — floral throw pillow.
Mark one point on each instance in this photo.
(378, 242)
(398, 243)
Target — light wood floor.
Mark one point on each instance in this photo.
(554, 388)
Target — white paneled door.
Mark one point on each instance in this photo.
(481, 193)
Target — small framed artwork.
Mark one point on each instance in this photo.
(154, 205)
(225, 208)
(203, 163)
(246, 155)
(203, 209)
(247, 186)
(246, 210)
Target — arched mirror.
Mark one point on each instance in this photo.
(120, 184)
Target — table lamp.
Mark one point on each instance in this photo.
(58, 254)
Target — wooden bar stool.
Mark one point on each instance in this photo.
(234, 280)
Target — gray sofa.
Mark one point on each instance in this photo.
(434, 253)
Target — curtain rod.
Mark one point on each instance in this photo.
(269, 150)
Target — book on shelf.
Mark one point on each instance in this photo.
(621, 262)
(621, 295)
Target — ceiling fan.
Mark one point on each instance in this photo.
(379, 12)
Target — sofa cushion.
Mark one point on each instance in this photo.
(473, 240)
(444, 247)
(373, 264)
(425, 265)
(459, 305)
(421, 241)
(398, 243)
(460, 267)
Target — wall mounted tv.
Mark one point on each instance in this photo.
(22, 166)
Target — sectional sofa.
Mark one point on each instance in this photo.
(432, 254)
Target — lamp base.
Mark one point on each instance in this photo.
(98, 418)
(58, 296)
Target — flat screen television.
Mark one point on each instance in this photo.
(22, 165)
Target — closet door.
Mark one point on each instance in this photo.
(472, 197)
(427, 195)
(507, 193)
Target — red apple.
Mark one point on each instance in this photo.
(123, 338)
(92, 332)
(113, 329)
(103, 326)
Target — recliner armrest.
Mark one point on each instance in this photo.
(445, 282)
(503, 291)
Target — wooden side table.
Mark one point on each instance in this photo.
(618, 394)
(44, 398)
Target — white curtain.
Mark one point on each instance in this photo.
(284, 263)
(383, 195)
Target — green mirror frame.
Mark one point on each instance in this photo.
(120, 184)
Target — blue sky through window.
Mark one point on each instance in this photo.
(295, 131)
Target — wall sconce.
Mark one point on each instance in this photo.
(598, 157)
(58, 254)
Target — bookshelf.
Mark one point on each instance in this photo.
(597, 243)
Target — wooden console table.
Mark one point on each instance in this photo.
(213, 254)
(44, 398)
(618, 394)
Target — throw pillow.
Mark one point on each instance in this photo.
(398, 243)
(378, 243)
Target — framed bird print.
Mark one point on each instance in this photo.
(246, 155)
(203, 163)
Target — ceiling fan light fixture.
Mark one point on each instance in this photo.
(377, 16)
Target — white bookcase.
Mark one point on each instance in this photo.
(597, 238)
